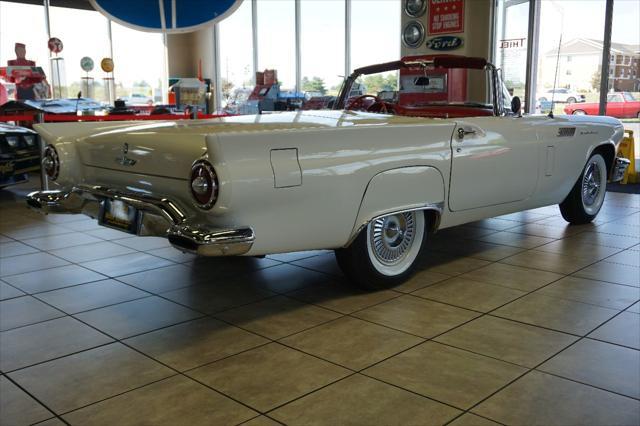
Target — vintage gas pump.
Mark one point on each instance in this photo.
(264, 96)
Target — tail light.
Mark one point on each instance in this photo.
(51, 162)
(203, 184)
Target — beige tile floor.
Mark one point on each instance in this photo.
(515, 320)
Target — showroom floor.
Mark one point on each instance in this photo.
(514, 320)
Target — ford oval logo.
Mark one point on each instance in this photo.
(445, 43)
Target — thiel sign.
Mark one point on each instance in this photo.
(444, 43)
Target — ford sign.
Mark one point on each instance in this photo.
(445, 43)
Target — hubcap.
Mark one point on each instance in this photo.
(392, 237)
(591, 184)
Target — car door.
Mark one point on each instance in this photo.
(615, 105)
(494, 161)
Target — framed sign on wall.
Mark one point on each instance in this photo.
(445, 17)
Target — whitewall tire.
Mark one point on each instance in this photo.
(387, 251)
(587, 195)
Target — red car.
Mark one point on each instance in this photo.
(619, 105)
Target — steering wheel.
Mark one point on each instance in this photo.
(358, 103)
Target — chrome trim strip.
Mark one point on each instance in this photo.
(437, 207)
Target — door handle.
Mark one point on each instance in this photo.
(462, 132)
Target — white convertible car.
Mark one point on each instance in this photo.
(370, 186)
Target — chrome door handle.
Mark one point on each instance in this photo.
(462, 132)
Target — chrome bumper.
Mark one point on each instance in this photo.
(160, 217)
(619, 168)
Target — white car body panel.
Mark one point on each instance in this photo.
(300, 180)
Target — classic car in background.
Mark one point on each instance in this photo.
(560, 95)
(619, 105)
(370, 186)
(19, 154)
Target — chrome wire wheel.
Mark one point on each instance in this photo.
(594, 184)
(394, 241)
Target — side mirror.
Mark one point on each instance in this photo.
(516, 105)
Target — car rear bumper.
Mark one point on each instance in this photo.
(159, 217)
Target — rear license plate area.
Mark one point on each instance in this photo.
(118, 215)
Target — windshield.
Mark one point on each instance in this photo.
(628, 97)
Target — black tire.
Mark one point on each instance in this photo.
(361, 264)
(571, 100)
(579, 207)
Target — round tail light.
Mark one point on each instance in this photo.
(51, 162)
(203, 184)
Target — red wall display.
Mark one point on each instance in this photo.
(446, 17)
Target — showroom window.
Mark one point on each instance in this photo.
(511, 43)
(276, 40)
(580, 26)
(375, 38)
(322, 58)
(83, 33)
(623, 69)
(236, 59)
(142, 70)
(23, 23)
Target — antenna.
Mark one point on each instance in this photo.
(555, 78)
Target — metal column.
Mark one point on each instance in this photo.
(298, 53)
(347, 38)
(217, 96)
(606, 53)
(254, 34)
(533, 41)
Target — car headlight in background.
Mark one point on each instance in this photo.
(415, 8)
(203, 184)
(413, 34)
(13, 141)
(51, 162)
(30, 140)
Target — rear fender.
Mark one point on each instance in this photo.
(400, 190)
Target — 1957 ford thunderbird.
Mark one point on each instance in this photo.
(370, 185)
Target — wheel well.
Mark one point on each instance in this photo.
(608, 153)
(433, 219)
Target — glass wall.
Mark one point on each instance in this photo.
(623, 100)
(276, 40)
(322, 58)
(138, 72)
(139, 57)
(375, 38)
(83, 33)
(577, 29)
(236, 53)
(23, 23)
(511, 43)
